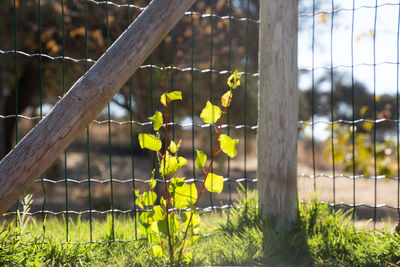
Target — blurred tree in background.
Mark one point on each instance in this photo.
(60, 30)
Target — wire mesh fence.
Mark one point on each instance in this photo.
(96, 176)
(348, 128)
(351, 79)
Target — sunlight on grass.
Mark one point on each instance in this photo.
(321, 237)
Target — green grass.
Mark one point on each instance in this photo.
(321, 237)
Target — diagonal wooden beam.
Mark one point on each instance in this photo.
(86, 98)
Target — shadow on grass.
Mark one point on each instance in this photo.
(287, 246)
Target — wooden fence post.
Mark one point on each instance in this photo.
(87, 97)
(278, 111)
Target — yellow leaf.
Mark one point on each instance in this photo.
(234, 80)
(226, 99)
(211, 113)
(214, 183)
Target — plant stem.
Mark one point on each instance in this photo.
(204, 182)
(166, 184)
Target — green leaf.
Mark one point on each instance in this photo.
(139, 201)
(214, 183)
(149, 141)
(157, 120)
(152, 183)
(173, 223)
(185, 195)
(234, 80)
(228, 145)
(160, 227)
(175, 182)
(169, 165)
(157, 251)
(137, 193)
(145, 217)
(149, 198)
(157, 214)
(201, 159)
(175, 95)
(195, 218)
(145, 228)
(172, 164)
(181, 162)
(168, 97)
(152, 237)
(226, 99)
(211, 113)
(163, 203)
(173, 147)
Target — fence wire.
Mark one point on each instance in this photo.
(363, 143)
(61, 179)
(195, 72)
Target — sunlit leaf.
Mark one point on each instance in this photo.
(149, 198)
(234, 80)
(157, 120)
(211, 113)
(168, 165)
(168, 97)
(176, 181)
(137, 193)
(181, 162)
(139, 202)
(214, 183)
(157, 214)
(185, 195)
(157, 251)
(226, 99)
(195, 218)
(145, 218)
(172, 164)
(201, 159)
(175, 95)
(228, 145)
(152, 183)
(149, 141)
(173, 147)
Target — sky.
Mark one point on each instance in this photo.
(386, 43)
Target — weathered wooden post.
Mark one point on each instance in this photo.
(278, 111)
(41, 146)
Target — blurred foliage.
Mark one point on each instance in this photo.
(366, 154)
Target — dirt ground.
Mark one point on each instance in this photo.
(340, 190)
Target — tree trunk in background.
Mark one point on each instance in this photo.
(278, 111)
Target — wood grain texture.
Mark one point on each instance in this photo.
(278, 111)
(86, 98)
